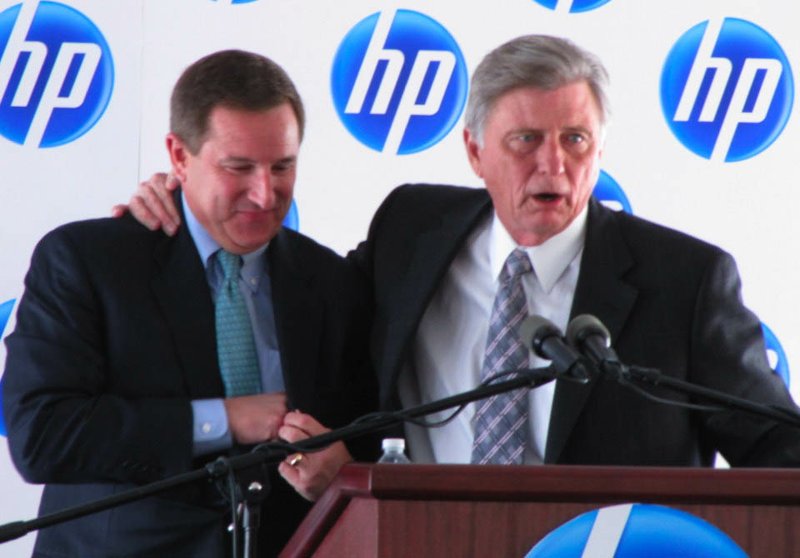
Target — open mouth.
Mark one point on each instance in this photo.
(546, 197)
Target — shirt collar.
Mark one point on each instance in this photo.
(207, 246)
(549, 259)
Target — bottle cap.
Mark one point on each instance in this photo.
(396, 444)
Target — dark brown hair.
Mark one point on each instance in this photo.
(234, 79)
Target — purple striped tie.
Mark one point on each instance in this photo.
(500, 421)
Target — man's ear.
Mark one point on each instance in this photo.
(178, 155)
(473, 151)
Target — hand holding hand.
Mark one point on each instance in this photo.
(311, 473)
(253, 419)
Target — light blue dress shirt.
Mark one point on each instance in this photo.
(211, 431)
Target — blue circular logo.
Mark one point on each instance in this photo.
(727, 89)
(292, 219)
(56, 74)
(776, 355)
(399, 82)
(610, 193)
(636, 530)
(575, 6)
(5, 314)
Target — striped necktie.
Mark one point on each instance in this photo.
(500, 421)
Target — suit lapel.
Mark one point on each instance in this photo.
(297, 306)
(602, 292)
(180, 288)
(433, 251)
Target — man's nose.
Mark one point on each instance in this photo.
(550, 157)
(261, 191)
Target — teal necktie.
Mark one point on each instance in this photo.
(236, 350)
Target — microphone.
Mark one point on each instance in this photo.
(547, 341)
(588, 334)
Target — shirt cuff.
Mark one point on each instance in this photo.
(210, 430)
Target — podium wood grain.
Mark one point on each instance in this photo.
(394, 511)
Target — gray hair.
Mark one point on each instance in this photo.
(538, 61)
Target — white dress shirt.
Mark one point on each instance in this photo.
(448, 351)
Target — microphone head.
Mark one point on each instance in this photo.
(534, 330)
(584, 326)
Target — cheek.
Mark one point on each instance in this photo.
(284, 187)
(583, 177)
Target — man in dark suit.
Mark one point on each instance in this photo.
(436, 258)
(535, 128)
(112, 377)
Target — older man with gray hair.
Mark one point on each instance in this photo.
(455, 270)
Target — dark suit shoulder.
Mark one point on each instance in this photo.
(413, 208)
(295, 240)
(433, 198)
(104, 232)
(107, 243)
(305, 252)
(646, 237)
(111, 254)
(303, 256)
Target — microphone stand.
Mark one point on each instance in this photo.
(275, 452)
(655, 377)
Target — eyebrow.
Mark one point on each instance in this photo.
(234, 159)
(581, 129)
(238, 160)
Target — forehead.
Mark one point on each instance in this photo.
(275, 127)
(571, 105)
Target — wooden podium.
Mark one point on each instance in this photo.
(391, 511)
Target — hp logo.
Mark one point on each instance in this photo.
(56, 74)
(5, 314)
(399, 82)
(775, 354)
(292, 219)
(635, 530)
(611, 194)
(572, 6)
(727, 90)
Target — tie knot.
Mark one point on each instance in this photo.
(516, 264)
(230, 264)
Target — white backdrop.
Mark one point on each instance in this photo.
(747, 207)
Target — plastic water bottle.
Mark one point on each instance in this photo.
(394, 451)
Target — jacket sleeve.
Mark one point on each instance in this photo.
(70, 418)
(728, 354)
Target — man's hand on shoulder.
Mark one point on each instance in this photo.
(152, 204)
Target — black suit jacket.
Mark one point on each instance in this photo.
(115, 336)
(670, 301)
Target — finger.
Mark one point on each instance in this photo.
(304, 422)
(172, 182)
(119, 210)
(296, 459)
(294, 476)
(163, 189)
(291, 433)
(152, 199)
(301, 478)
(146, 217)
